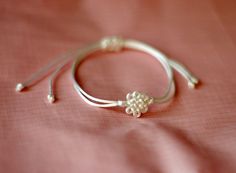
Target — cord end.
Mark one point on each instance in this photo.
(19, 87)
(193, 82)
(51, 98)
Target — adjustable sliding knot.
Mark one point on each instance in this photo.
(112, 44)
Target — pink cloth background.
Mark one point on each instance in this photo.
(196, 133)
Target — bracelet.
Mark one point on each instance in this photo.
(136, 103)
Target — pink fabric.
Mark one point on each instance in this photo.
(195, 133)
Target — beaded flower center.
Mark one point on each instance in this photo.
(137, 103)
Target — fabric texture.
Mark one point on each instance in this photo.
(195, 133)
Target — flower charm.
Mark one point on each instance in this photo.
(137, 103)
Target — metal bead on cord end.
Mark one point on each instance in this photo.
(19, 87)
(51, 98)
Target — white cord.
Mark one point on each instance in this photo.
(136, 103)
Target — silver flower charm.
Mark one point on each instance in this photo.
(137, 103)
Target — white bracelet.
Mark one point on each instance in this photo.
(136, 103)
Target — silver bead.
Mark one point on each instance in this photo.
(19, 87)
(51, 98)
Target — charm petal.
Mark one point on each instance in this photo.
(137, 114)
(128, 110)
(128, 96)
(144, 110)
